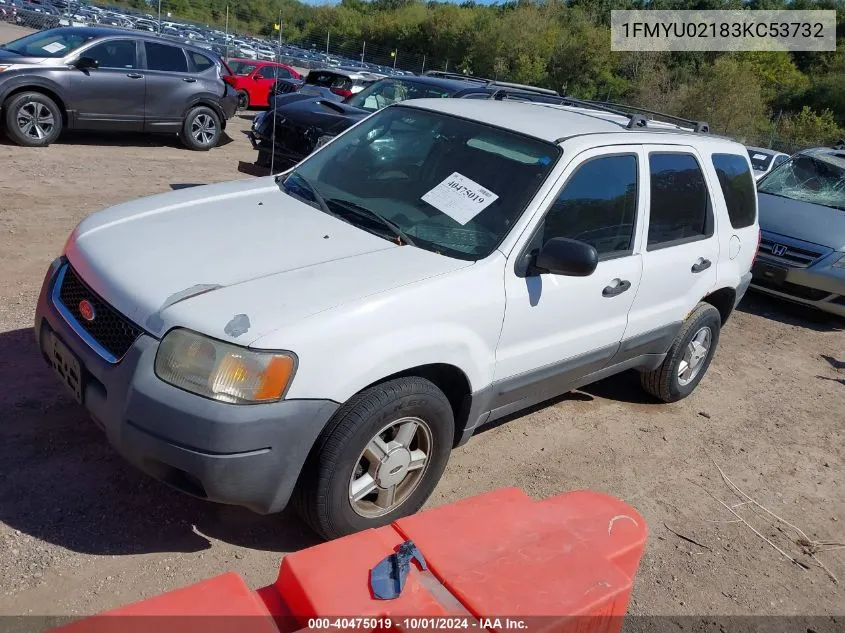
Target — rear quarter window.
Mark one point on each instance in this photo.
(200, 61)
(737, 187)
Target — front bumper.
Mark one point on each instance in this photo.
(820, 285)
(246, 455)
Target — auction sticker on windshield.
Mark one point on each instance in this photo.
(55, 47)
(460, 198)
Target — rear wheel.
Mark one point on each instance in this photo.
(32, 119)
(378, 460)
(688, 358)
(201, 129)
(243, 100)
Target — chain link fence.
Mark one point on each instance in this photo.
(220, 32)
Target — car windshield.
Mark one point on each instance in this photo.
(242, 68)
(455, 187)
(386, 91)
(818, 178)
(51, 43)
(760, 161)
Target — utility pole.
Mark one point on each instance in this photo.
(363, 50)
(328, 35)
(447, 67)
(159, 17)
(395, 55)
(273, 113)
(422, 70)
(227, 27)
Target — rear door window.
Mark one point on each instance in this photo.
(166, 58)
(680, 203)
(738, 188)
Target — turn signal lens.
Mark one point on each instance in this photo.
(222, 371)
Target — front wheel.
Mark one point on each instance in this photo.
(32, 119)
(688, 358)
(243, 100)
(201, 129)
(378, 460)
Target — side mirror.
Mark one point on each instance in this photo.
(563, 256)
(86, 63)
(257, 77)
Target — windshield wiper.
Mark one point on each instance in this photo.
(317, 197)
(360, 211)
(10, 50)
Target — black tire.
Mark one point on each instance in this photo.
(322, 497)
(243, 100)
(201, 129)
(31, 108)
(664, 382)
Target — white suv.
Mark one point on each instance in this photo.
(328, 336)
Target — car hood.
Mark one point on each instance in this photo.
(7, 57)
(802, 220)
(324, 115)
(236, 260)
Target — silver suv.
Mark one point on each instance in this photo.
(802, 220)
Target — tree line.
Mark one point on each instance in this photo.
(781, 99)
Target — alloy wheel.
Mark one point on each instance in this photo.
(203, 128)
(390, 467)
(35, 120)
(694, 356)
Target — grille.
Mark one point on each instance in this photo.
(794, 290)
(109, 328)
(799, 257)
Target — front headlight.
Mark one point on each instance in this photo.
(839, 263)
(221, 371)
(4, 67)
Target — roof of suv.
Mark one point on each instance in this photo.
(549, 122)
(107, 31)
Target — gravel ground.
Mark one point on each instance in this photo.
(81, 531)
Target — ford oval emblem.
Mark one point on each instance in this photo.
(86, 310)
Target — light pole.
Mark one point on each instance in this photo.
(159, 17)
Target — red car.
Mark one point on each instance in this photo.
(253, 79)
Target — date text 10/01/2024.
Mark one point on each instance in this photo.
(416, 623)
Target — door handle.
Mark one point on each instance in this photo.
(189, 80)
(134, 75)
(701, 264)
(617, 287)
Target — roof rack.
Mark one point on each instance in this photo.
(447, 75)
(636, 118)
(491, 82)
(519, 94)
(525, 88)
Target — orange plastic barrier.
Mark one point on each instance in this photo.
(497, 561)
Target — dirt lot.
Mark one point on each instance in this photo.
(81, 531)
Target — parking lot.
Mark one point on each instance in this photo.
(80, 530)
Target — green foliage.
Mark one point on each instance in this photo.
(565, 45)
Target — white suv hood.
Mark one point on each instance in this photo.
(236, 260)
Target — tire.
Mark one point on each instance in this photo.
(243, 100)
(666, 382)
(32, 119)
(202, 129)
(342, 458)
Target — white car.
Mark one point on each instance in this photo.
(765, 160)
(329, 335)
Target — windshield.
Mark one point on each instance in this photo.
(52, 43)
(819, 179)
(242, 68)
(451, 185)
(386, 91)
(759, 160)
